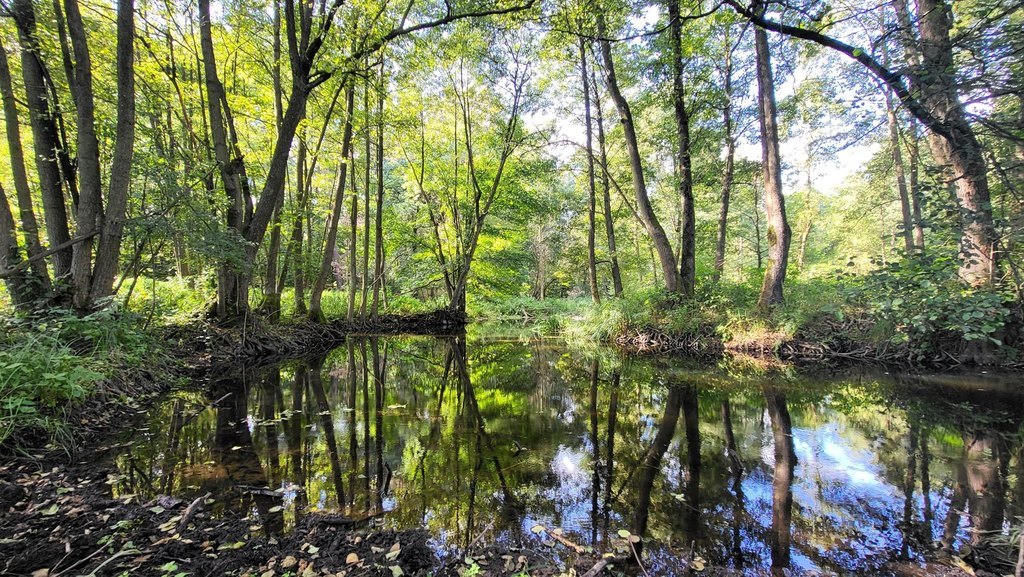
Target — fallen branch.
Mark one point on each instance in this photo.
(597, 568)
(191, 510)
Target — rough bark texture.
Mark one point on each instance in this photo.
(644, 209)
(684, 164)
(15, 277)
(45, 137)
(779, 233)
(26, 212)
(90, 199)
(109, 252)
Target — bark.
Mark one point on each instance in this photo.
(18, 280)
(915, 190)
(684, 164)
(933, 99)
(26, 212)
(378, 259)
(108, 254)
(330, 246)
(90, 199)
(591, 188)
(779, 233)
(730, 164)
(899, 168)
(646, 212)
(45, 136)
(366, 202)
(353, 237)
(609, 221)
(302, 193)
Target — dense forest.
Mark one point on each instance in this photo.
(186, 185)
(401, 157)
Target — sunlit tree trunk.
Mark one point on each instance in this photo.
(591, 188)
(45, 137)
(666, 258)
(15, 276)
(730, 162)
(378, 259)
(330, 245)
(684, 164)
(19, 174)
(779, 233)
(609, 221)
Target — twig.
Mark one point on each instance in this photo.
(121, 553)
(597, 568)
(191, 510)
(566, 542)
(80, 561)
(484, 532)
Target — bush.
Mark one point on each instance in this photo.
(41, 380)
(926, 305)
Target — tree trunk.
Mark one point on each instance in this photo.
(90, 200)
(779, 233)
(684, 165)
(366, 202)
(378, 259)
(966, 157)
(26, 213)
(302, 192)
(915, 190)
(609, 221)
(898, 167)
(730, 165)
(591, 188)
(330, 245)
(108, 253)
(644, 209)
(16, 278)
(353, 238)
(232, 286)
(45, 136)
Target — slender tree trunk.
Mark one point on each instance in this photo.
(108, 254)
(232, 288)
(26, 213)
(45, 136)
(915, 189)
(353, 238)
(378, 259)
(644, 209)
(16, 278)
(302, 192)
(609, 221)
(90, 203)
(898, 167)
(779, 233)
(730, 164)
(366, 201)
(591, 188)
(684, 165)
(330, 245)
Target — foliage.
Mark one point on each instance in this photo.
(925, 305)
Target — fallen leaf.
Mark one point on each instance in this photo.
(51, 510)
(289, 562)
(351, 558)
(396, 571)
(537, 528)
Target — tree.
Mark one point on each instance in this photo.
(779, 234)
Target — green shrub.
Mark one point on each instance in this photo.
(41, 380)
(926, 305)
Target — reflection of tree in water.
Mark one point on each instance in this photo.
(459, 433)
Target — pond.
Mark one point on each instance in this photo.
(754, 467)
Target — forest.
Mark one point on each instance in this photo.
(742, 207)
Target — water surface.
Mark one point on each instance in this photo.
(755, 468)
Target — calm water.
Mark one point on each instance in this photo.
(755, 468)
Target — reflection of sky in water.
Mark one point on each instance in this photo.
(847, 492)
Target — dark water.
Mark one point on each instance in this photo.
(755, 468)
